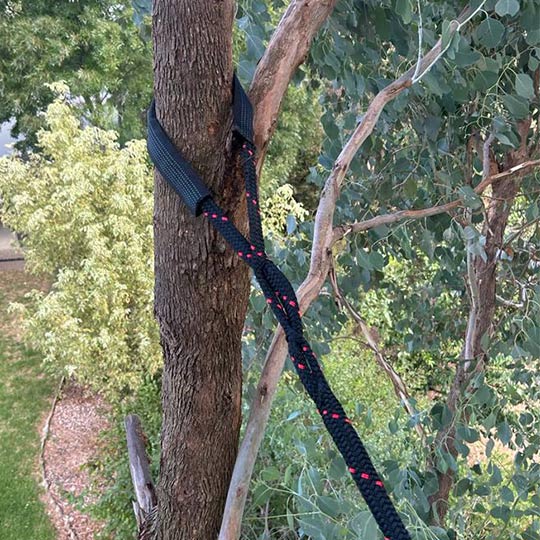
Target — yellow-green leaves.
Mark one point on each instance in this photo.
(84, 206)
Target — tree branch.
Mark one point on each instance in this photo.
(397, 382)
(46, 482)
(287, 49)
(475, 360)
(267, 109)
(455, 26)
(471, 274)
(139, 467)
(343, 230)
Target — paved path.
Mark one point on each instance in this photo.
(6, 238)
(8, 250)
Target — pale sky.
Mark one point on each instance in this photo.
(5, 138)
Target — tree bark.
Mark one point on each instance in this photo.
(201, 288)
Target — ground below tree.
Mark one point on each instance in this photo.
(26, 394)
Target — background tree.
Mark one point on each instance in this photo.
(95, 47)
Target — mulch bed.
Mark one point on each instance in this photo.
(73, 442)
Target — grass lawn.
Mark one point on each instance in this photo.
(24, 399)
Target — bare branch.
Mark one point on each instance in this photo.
(420, 37)
(520, 231)
(455, 26)
(509, 303)
(287, 49)
(397, 382)
(400, 215)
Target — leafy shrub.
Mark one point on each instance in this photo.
(84, 208)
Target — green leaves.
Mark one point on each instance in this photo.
(517, 106)
(405, 10)
(504, 432)
(507, 7)
(470, 198)
(95, 46)
(490, 33)
(532, 342)
(502, 512)
(447, 35)
(524, 86)
(89, 226)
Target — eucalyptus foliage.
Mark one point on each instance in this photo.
(409, 280)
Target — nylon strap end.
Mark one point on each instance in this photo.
(173, 167)
(242, 111)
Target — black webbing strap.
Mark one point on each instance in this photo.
(172, 166)
(281, 298)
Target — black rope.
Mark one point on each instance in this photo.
(282, 299)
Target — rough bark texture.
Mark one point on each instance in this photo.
(201, 288)
(498, 208)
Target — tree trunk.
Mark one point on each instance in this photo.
(503, 195)
(498, 207)
(201, 288)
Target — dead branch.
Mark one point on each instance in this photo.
(139, 467)
(397, 382)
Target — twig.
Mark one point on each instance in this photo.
(520, 231)
(455, 26)
(12, 259)
(509, 303)
(420, 37)
(43, 444)
(397, 382)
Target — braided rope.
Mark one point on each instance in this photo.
(282, 299)
(279, 295)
